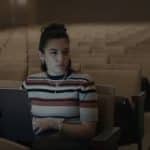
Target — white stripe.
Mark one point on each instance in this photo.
(46, 95)
(48, 87)
(88, 114)
(80, 75)
(55, 110)
(88, 96)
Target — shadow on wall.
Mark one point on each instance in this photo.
(73, 11)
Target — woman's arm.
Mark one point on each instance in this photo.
(80, 130)
(87, 105)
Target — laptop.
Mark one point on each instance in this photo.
(15, 116)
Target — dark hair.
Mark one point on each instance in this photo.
(52, 31)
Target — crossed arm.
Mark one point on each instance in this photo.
(80, 130)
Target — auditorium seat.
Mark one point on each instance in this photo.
(126, 81)
(109, 50)
(129, 103)
(142, 60)
(91, 59)
(10, 84)
(10, 145)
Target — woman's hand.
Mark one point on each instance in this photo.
(43, 124)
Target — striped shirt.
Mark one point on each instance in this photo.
(72, 98)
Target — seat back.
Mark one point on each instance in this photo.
(140, 59)
(9, 145)
(91, 59)
(105, 106)
(126, 81)
(10, 84)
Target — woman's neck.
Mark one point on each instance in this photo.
(56, 76)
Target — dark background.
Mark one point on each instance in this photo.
(73, 11)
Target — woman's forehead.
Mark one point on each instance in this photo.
(62, 42)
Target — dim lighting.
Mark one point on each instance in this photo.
(22, 2)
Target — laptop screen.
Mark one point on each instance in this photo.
(15, 115)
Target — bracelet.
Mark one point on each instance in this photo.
(60, 125)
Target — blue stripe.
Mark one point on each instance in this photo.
(61, 91)
(63, 117)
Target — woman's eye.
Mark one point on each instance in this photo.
(53, 53)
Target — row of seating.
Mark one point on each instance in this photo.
(95, 53)
(13, 57)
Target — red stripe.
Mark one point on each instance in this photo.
(88, 104)
(58, 102)
(60, 83)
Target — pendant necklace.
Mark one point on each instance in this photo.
(57, 80)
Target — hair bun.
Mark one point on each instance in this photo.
(54, 27)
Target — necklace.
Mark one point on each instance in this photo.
(57, 80)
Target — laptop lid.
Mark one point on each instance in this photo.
(15, 115)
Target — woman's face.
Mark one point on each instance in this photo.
(57, 56)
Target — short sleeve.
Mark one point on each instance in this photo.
(23, 86)
(88, 102)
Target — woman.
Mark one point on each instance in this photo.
(63, 101)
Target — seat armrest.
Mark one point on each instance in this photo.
(107, 139)
(6, 144)
(139, 114)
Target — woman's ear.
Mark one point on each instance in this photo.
(42, 57)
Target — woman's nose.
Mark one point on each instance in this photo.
(60, 58)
